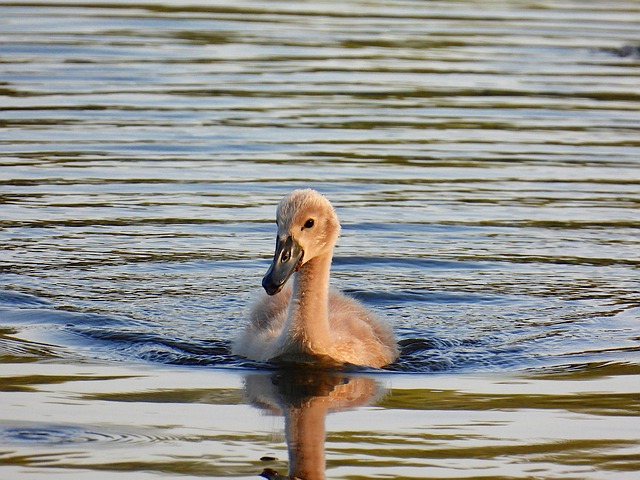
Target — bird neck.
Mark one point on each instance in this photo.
(308, 315)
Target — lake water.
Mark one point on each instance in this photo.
(484, 159)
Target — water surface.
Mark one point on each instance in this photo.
(483, 159)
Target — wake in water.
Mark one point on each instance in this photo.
(34, 329)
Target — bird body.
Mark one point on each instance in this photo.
(309, 322)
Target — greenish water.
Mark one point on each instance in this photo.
(483, 158)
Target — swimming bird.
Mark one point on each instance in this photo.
(308, 322)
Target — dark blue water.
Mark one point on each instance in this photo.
(484, 164)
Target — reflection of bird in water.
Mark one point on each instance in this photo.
(309, 322)
(304, 397)
(271, 474)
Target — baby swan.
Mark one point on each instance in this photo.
(309, 322)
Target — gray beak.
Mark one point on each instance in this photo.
(286, 261)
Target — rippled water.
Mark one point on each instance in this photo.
(483, 158)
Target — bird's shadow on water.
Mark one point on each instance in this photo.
(304, 397)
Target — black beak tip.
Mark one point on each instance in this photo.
(286, 261)
(270, 287)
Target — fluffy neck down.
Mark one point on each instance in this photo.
(307, 326)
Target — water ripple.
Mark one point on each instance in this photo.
(65, 435)
(484, 163)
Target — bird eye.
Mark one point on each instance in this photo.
(309, 223)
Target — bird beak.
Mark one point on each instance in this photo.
(286, 261)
